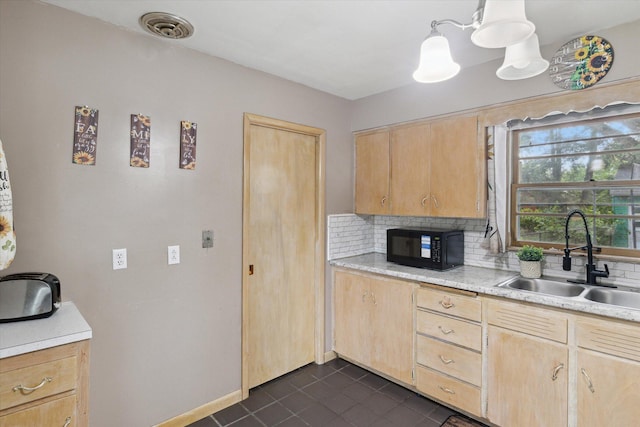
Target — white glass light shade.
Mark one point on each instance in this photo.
(503, 23)
(436, 63)
(523, 60)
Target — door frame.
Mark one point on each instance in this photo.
(319, 265)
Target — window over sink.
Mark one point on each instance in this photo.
(586, 161)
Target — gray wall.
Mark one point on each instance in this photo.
(166, 338)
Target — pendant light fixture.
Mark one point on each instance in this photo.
(496, 24)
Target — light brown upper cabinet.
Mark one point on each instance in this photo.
(422, 169)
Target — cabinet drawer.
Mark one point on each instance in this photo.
(529, 320)
(450, 359)
(47, 379)
(467, 307)
(453, 330)
(56, 413)
(449, 390)
(616, 338)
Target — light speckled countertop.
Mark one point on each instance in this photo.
(64, 326)
(482, 281)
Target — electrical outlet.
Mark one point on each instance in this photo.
(119, 257)
(173, 254)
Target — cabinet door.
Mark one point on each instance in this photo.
(410, 171)
(457, 168)
(392, 328)
(372, 173)
(607, 390)
(352, 329)
(527, 380)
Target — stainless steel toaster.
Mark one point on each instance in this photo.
(26, 296)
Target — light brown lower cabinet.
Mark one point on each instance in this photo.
(608, 365)
(527, 366)
(374, 323)
(46, 388)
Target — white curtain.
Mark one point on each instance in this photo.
(498, 189)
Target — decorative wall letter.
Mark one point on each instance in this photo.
(188, 131)
(85, 136)
(140, 141)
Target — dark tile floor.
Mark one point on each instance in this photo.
(335, 394)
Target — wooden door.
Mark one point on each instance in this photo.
(607, 390)
(456, 172)
(392, 328)
(522, 387)
(352, 325)
(282, 249)
(410, 171)
(372, 173)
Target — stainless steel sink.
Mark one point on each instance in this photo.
(545, 286)
(622, 298)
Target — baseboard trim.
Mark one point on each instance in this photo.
(202, 411)
(330, 355)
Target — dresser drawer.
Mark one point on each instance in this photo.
(611, 337)
(55, 413)
(34, 382)
(449, 390)
(453, 304)
(453, 330)
(529, 320)
(450, 359)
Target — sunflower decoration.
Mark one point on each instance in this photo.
(145, 120)
(595, 58)
(138, 163)
(5, 227)
(84, 158)
(190, 165)
(83, 111)
(186, 125)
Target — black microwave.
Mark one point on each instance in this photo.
(433, 249)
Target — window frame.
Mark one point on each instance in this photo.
(515, 185)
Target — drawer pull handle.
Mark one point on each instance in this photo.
(589, 383)
(445, 330)
(556, 370)
(424, 201)
(445, 360)
(447, 304)
(446, 390)
(365, 294)
(26, 389)
(67, 422)
(383, 201)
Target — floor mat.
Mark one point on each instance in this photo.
(460, 421)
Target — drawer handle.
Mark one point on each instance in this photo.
(383, 201)
(445, 360)
(446, 390)
(445, 331)
(67, 422)
(589, 383)
(26, 389)
(423, 202)
(365, 294)
(556, 370)
(447, 304)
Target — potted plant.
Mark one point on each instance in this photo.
(530, 261)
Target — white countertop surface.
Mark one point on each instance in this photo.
(483, 281)
(64, 326)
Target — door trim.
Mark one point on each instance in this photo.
(319, 267)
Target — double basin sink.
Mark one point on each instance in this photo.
(620, 296)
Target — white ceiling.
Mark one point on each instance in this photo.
(349, 48)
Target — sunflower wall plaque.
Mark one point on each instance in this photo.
(188, 133)
(140, 141)
(581, 62)
(85, 136)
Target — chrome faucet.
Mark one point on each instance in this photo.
(592, 271)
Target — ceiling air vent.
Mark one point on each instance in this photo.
(166, 25)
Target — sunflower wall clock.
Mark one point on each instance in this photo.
(581, 62)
